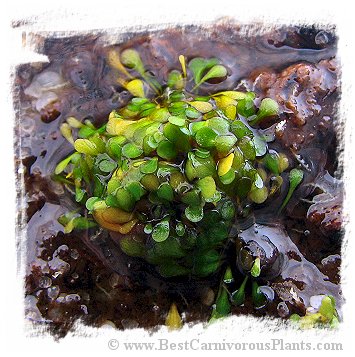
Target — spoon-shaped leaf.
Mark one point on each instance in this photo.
(255, 269)
(223, 306)
(194, 213)
(200, 65)
(183, 65)
(207, 186)
(161, 231)
(114, 61)
(131, 59)
(175, 80)
(66, 131)
(173, 320)
(259, 299)
(217, 71)
(238, 297)
(131, 150)
(296, 177)
(268, 108)
(136, 88)
(64, 163)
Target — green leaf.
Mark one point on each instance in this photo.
(295, 177)
(111, 200)
(194, 213)
(148, 228)
(238, 296)
(206, 263)
(131, 59)
(196, 126)
(228, 276)
(166, 150)
(191, 198)
(223, 306)
(180, 229)
(227, 210)
(85, 146)
(107, 165)
(260, 145)
(246, 145)
(131, 151)
(169, 248)
(225, 143)
(258, 195)
(150, 182)
(85, 132)
(207, 186)
(83, 223)
(246, 107)
(114, 148)
(215, 198)
(202, 153)
(192, 113)
(217, 71)
(165, 192)
(150, 166)
(125, 200)
(255, 269)
(200, 65)
(136, 190)
(179, 136)
(64, 163)
(228, 178)
(90, 203)
(79, 194)
(206, 137)
(259, 299)
(271, 162)
(243, 186)
(175, 80)
(199, 167)
(219, 125)
(131, 247)
(239, 129)
(161, 231)
(327, 308)
(177, 121)
(268, 108)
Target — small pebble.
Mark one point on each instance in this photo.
(282, 309)
(45, 282)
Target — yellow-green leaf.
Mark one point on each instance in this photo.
(136, 88)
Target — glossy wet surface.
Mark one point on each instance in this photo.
(86, 275)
